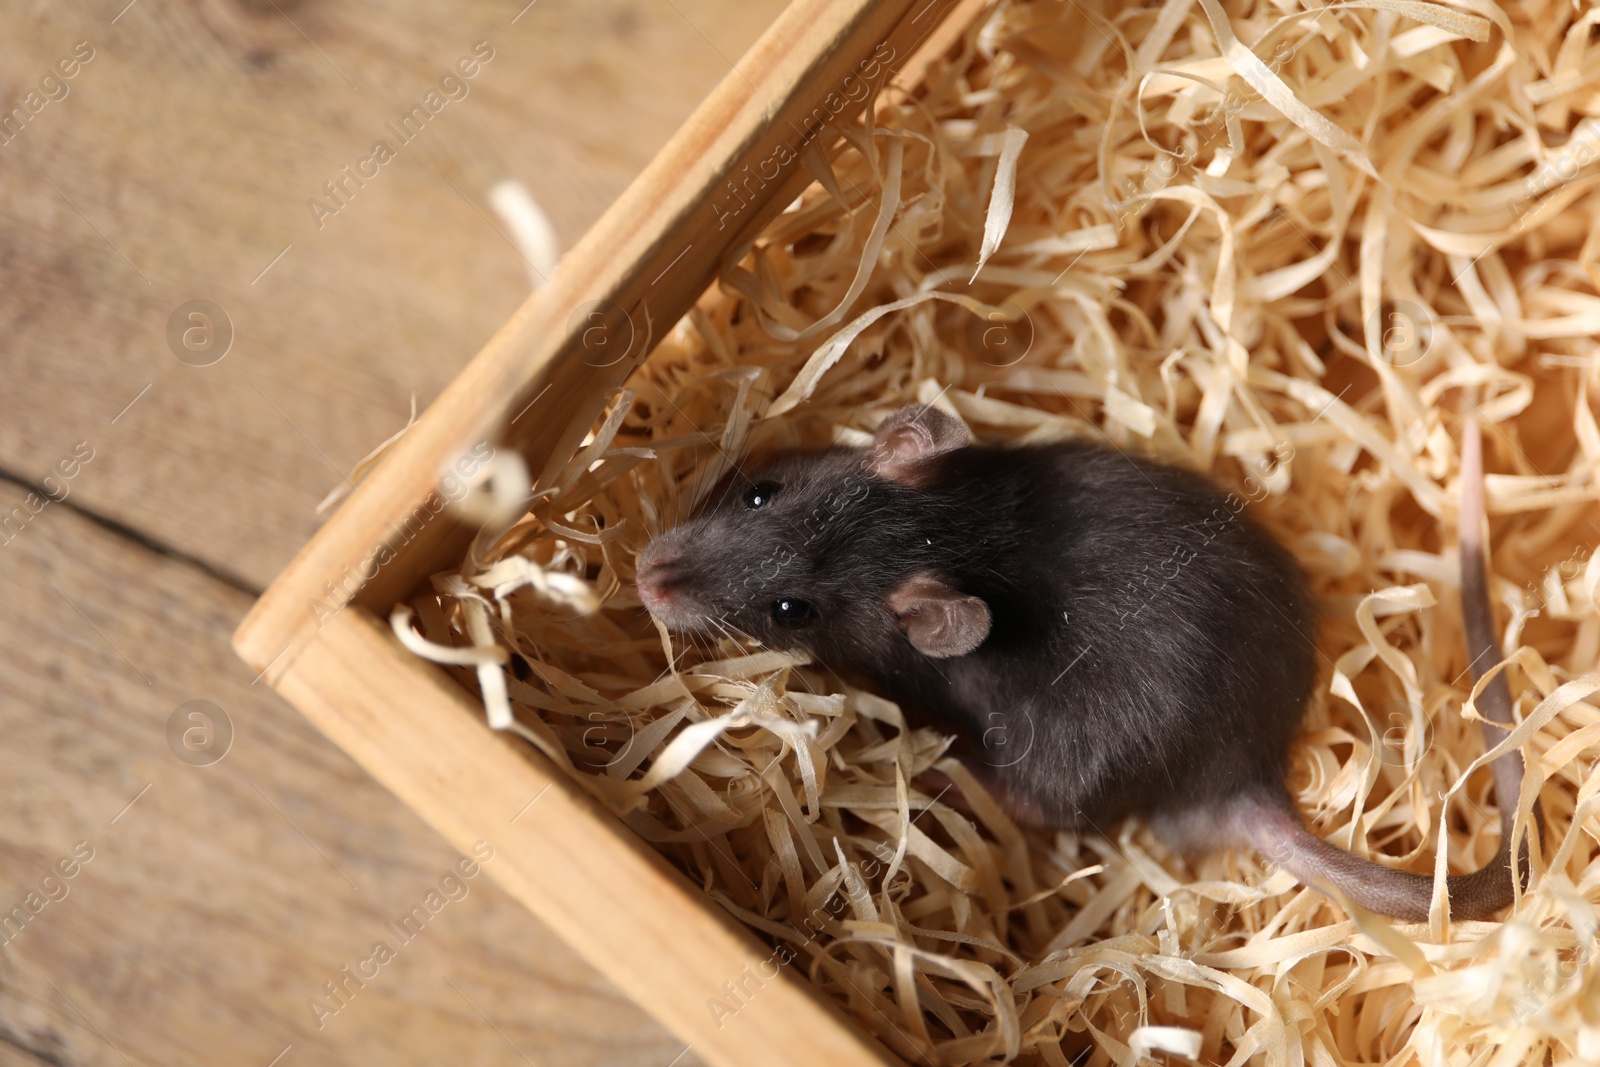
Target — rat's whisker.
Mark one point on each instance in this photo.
(726, 631)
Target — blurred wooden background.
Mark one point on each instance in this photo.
(175, 165)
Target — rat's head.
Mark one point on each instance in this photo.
(821, 551)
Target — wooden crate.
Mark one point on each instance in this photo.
(538, 386)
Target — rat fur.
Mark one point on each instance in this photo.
(1105, 636)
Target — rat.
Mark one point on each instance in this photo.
(1147, 640)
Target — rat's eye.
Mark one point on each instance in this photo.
(792, 612)
(760, 494)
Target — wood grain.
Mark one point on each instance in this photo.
(179, 165)
(226, 895)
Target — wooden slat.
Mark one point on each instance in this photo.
(645, 262)
(572, 863)
(217, 904)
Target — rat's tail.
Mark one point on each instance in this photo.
(1267, 819)
(1271, 825)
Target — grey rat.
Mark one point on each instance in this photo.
(1144, 640)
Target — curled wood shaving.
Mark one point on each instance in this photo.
(1003, 196)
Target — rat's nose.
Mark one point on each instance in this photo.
(656, 574)
(652, 583)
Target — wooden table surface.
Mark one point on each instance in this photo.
(179, 162)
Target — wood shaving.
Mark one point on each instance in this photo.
(1288, 246)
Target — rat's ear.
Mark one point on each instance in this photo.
(910, 435)
(938, 621)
